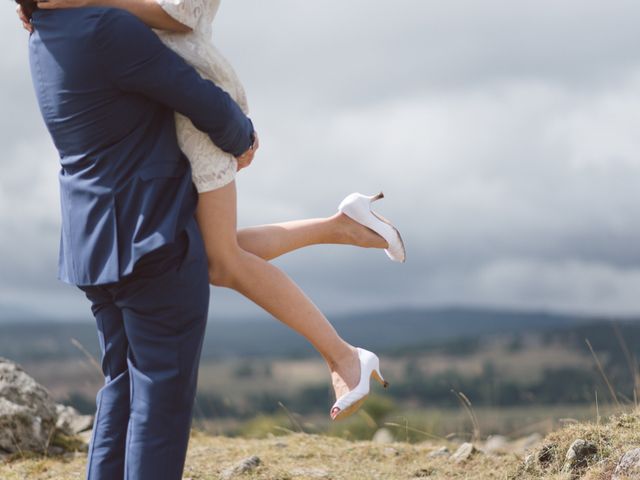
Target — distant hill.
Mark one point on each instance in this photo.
(389, 330)
(380, 330)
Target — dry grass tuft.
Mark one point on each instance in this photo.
(613, 438)
(303, 456)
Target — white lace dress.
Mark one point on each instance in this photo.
(211, 167)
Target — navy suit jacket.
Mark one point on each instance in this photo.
(107, 89)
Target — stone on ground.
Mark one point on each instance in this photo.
(71, 422)
(580, 453)
(464, 452)
(440, 452)
(241, 467)
(628, 466)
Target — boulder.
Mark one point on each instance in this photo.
(27, 413)
(628, 466)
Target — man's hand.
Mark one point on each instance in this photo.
(246, 158)
(26, 22)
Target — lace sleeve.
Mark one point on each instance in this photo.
(187, 12)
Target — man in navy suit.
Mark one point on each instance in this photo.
(107, 90)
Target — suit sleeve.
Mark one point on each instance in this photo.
(137, 61)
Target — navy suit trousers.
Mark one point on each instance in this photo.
(151, 325)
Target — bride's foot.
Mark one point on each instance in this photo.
(354, 233)
(349, 402)
(358, 206)
(345, 374)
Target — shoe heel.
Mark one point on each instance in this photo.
(373, 198)
(378, 377)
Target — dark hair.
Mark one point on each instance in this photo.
(28, 6)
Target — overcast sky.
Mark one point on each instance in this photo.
(503, 134)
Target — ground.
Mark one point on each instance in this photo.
(302, 456)
(297, 456)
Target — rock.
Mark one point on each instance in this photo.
(27, 412)
(495, 444)
(464, 452)
(440, 452)
(241, 467)
(71, 422)
(310, 472)
(628, 466)
(579, 454)
(382, 435)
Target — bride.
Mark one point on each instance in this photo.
(239, 259)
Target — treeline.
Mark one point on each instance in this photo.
(555, 386)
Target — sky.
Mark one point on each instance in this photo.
(503, 134)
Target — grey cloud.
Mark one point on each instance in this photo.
(357, 52)
(503, 135)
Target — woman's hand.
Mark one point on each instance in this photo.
(53, 4)
(246, 158)
(26, 22)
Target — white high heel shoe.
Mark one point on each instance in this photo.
(358, 207)
(351, 401)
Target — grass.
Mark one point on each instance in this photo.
(81, 376)
(306, 453)
(300, 456)
(296, 456)
(613, 438)
(412, 425)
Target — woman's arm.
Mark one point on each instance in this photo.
(149, 11)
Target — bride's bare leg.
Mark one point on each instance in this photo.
(271, 241)
(266, 285)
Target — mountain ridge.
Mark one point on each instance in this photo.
(382, 330)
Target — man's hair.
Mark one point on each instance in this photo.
(28, 6)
